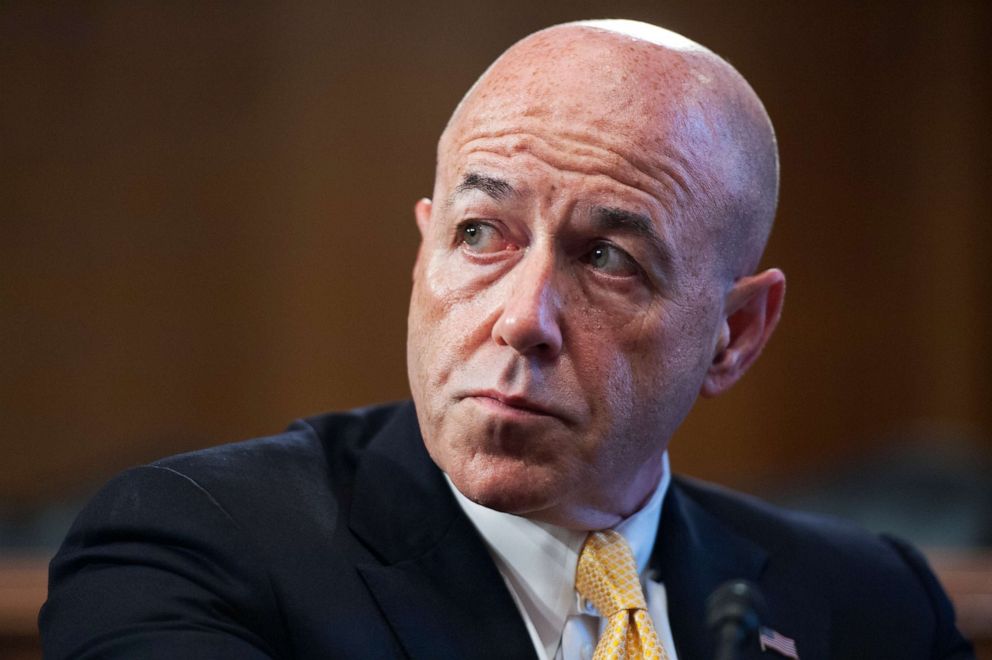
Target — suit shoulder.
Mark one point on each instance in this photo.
(299, 479)
(844, 560)
(326, 446)
(784, 530)
(868, 579)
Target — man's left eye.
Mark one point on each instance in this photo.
(611, 260)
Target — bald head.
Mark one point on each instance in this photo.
(698, 126)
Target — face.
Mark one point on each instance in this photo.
(564, 312)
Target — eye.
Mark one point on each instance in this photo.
(480, 237)
(611, 260)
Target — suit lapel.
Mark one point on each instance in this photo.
(695, 553)
(435, 582)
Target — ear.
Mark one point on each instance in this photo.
(422, 213)
(751, 312)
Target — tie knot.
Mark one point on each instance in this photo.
(607, 576)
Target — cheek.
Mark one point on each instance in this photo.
(671, 366)
(649, 367)
(605, 351)
(449, 316)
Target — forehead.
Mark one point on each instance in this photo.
(536, 164)
(613, 108)
(550, 160)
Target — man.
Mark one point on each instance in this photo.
(587, 268)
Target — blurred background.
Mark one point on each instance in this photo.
(206, 230)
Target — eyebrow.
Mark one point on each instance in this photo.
(498, 189)
(609, 218)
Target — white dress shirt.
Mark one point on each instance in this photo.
(538, 561)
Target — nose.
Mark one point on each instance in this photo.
(530, 319)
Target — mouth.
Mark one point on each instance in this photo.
(510, 405)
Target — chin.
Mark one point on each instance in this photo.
(507, 484)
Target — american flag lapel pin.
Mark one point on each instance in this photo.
(772, 640)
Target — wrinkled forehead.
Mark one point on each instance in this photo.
(644, 101)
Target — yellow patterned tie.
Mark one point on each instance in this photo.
(607, 577)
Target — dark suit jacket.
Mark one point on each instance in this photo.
(340, 539)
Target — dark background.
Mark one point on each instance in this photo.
(206, 231)
(207, 226)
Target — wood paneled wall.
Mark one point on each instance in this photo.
(207, 220)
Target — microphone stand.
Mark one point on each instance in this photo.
(732, 616)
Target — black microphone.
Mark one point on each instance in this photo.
(732, 615)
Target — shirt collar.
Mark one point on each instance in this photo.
(641, 529)
(538, 560)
